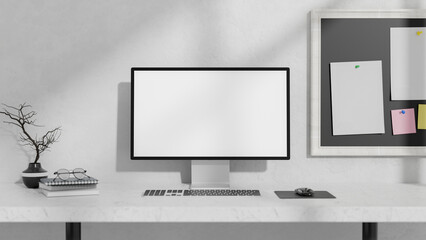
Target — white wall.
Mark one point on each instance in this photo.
(71, 60)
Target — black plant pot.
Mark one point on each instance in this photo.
(32, 175)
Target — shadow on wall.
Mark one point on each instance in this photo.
(125, 164)
(49, 39)
(411, 170)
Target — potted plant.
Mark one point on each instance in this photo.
(23, 117)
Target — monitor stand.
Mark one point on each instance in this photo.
(210, 174)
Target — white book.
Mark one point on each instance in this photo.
(66, 187)
(66, 193)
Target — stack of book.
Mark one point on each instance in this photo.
(70, 187)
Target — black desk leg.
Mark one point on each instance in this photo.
(73, 231)
(369, 231)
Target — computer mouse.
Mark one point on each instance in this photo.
(304, 192)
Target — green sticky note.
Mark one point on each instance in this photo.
(421, 121)
(356, 66)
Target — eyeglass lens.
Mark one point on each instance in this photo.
(63, 174)
(79, 173)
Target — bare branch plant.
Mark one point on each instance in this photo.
(22, 116)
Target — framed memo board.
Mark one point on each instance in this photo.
(352, 36)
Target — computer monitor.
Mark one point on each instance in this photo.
(210, 116)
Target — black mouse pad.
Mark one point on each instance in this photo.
(293, 195)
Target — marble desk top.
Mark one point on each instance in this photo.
(124, 203)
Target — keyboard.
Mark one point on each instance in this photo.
(200, 192)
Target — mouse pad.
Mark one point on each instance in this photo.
(293, 195)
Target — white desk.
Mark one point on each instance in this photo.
(367, 204)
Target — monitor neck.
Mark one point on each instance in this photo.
(210, 174)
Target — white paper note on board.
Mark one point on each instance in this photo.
(408, 63)
(357, 98)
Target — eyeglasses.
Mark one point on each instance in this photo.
(64, 174)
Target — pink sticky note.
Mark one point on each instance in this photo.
(403, 121)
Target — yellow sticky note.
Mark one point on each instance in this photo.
(421, 123)
(419, 32)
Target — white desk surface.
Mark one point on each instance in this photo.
(123, 203)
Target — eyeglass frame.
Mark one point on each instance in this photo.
(69, 173)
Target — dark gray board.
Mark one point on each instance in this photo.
(344, 40)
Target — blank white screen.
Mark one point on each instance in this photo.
(210, 113)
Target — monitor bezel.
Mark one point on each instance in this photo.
(134, 69)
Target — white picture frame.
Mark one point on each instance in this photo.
(316, 149)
